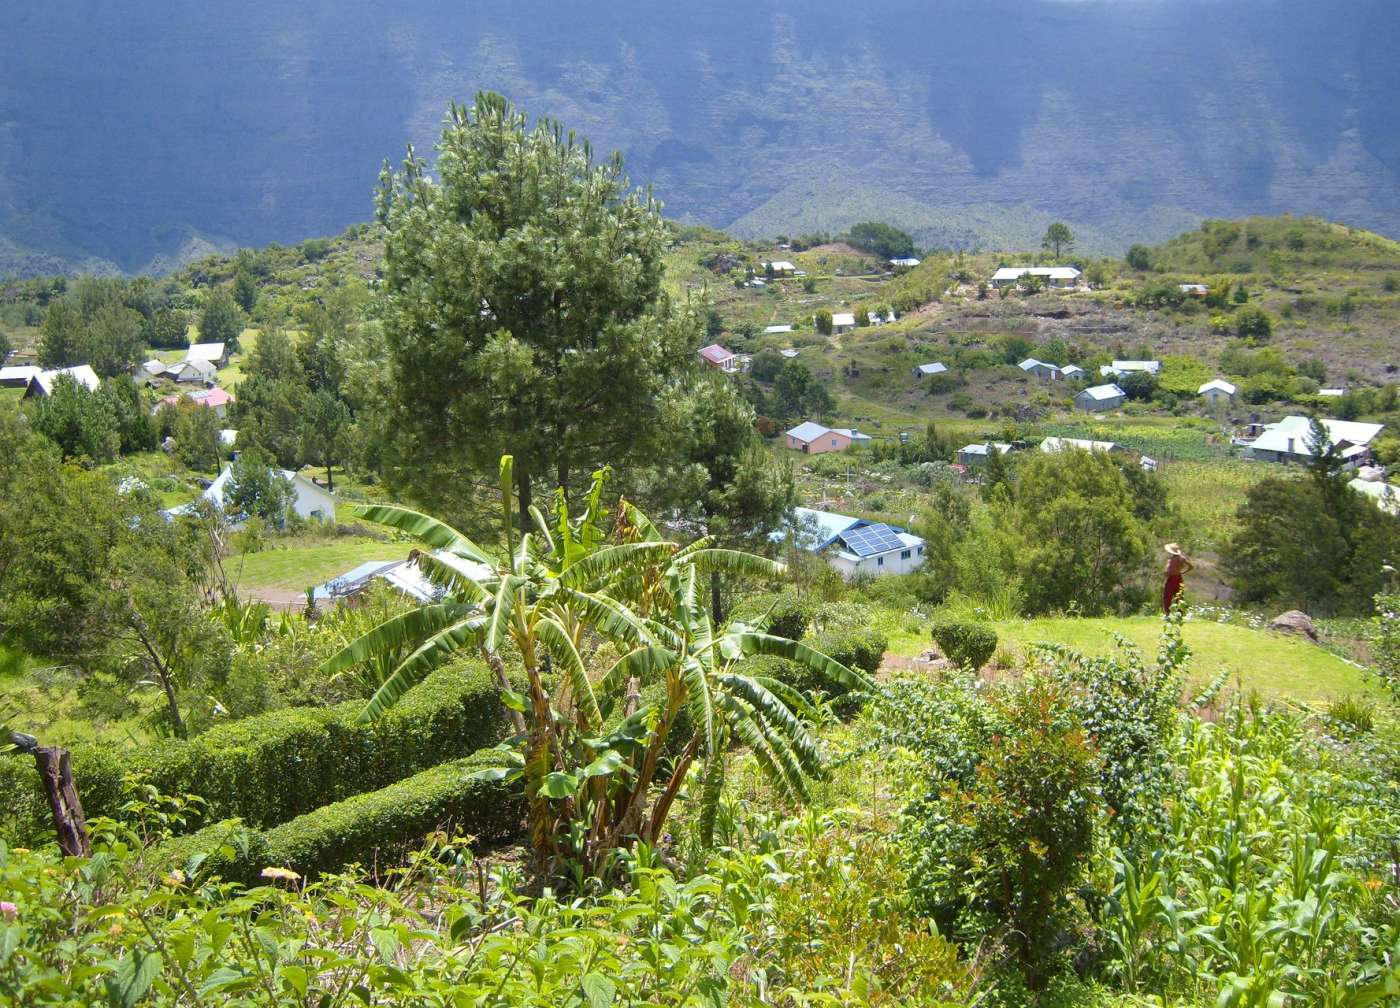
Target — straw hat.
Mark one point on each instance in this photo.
(1173, 549)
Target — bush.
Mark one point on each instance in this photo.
(375, 828)
(969, 645)
(783, 614)
(273, 767)
(1004, 852)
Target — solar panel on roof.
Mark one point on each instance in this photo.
(871, 539)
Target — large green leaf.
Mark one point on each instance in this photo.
(131, 980)
(428, 656)
(702, 707)
(777, 714)
(644, 662)
(642, 523)
(451, 578)
(561, 646)
(752, 643)
(609, 617)
(396, 633)
(437, 534)
(728, 561)
(502, 607)
(750, 728)
(600, 564)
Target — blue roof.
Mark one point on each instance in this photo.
(822, 526)
(869, 540)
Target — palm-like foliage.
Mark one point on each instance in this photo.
(616, 644)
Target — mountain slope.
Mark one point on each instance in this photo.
(132, 127)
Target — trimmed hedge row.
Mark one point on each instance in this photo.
(375, 828)
(273, 767)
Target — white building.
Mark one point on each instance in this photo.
(1100, 398)
(1119, 368)
(924, 370)
(1218, 392)
(309, 501)
(856, 548)
(773, 329)
(843, 322)
(1386, 495)
(904, 262)
(1289, 440)
(1060, 277)
(1039, 368)
(1072, 372)
(977, 454)
(42, 383)
(1054, 445)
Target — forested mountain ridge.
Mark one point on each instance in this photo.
(132, 139)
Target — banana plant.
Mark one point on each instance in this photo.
(596, 617)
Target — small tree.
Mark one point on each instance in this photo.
(221, 320)
(1058, 238)
(823, 322)
(1254, 324)
(1139, 257)
(245, 289)
(256, 490)
(197, 438)
(325, 431)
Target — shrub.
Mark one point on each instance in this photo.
(966, 644)
(1005, 852)
(378, 827)
(783, 614)
(276, 766)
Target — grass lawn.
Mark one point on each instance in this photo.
(297, 567)
(1275, 665)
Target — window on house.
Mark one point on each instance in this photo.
(879, 561)
(833, 442)
(904, 555)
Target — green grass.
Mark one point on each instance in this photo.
(1275, 665)
(1207, 495)
(299, 566)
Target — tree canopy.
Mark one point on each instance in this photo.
(523, 307)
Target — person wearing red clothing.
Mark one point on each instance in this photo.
(1177, 565)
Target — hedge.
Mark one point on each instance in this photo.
(968, 644)
(375, 828)
(273, 767)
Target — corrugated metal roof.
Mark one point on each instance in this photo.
(1101, 392)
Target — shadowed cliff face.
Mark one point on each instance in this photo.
(128, 131)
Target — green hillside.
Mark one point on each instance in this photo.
(1281, 246)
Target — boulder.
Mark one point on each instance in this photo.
(1295, 622)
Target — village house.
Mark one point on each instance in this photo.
(1100, 398)
(405, 576)
(309, 501)
(1119, 368)
(789, 353)
(924, 370)
(1072, 372)
(42, 383)
(1290, 440)
(1058, 277)
(842, 322)
(192, 369)
(214, 353)
(17, 375)
(1039, 369)
(1331, 393)
(720, 357)
(1386, 495)
(780, 268)
(1054, 445)
(854, 547)
(812, 438)
(903, 262)
(213, 398)
(1218, 392)
(775, 329)
(977, 454)
(1194, 290)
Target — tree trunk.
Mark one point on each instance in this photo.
(499, 667)
(68, 819)
(522, 493)
(716, 614)
(330, 478)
